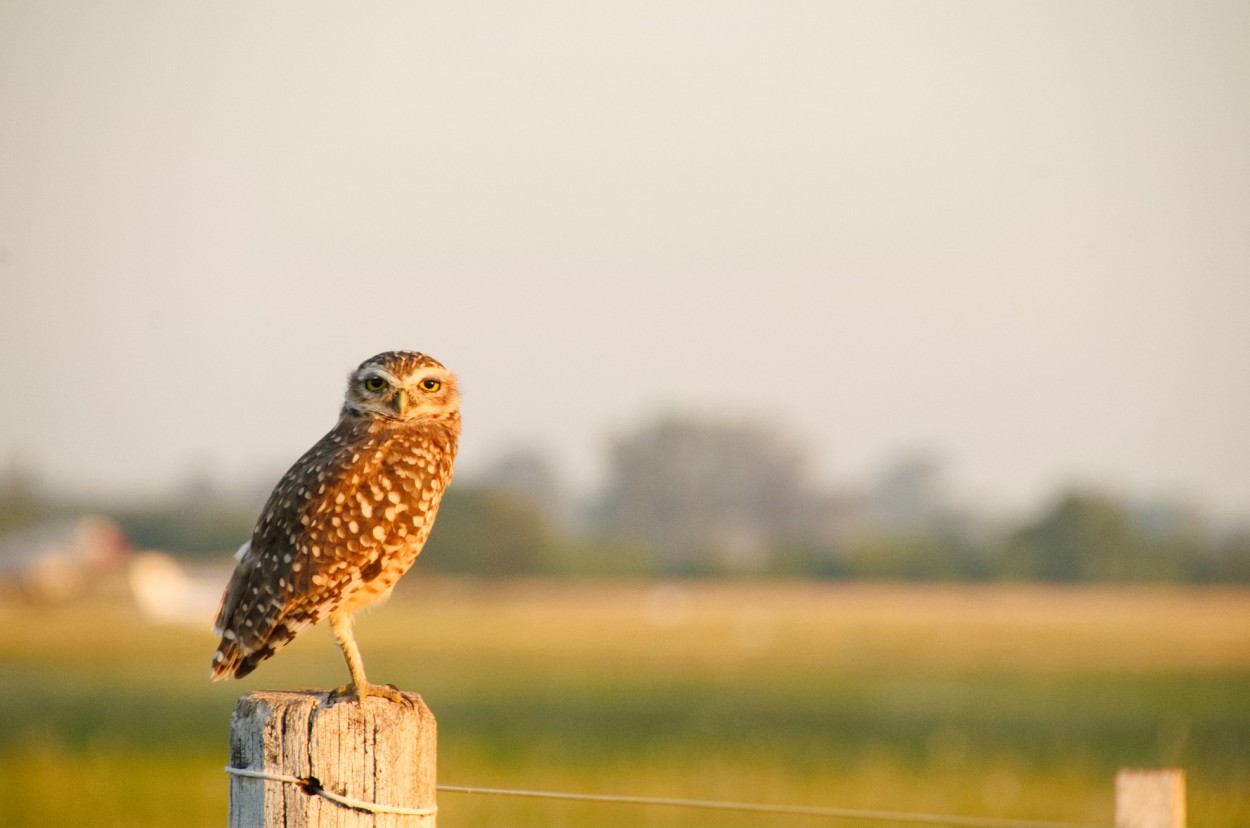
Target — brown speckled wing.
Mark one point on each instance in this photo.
(256, 616)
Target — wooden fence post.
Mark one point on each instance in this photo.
(299, 759)
(1150, 799)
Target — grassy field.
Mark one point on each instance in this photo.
(988, 701)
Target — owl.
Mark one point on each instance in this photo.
(347, 520)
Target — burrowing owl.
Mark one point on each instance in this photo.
(348, 519)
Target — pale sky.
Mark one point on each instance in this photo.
(1015, 233)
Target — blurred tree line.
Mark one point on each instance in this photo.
(690, 497)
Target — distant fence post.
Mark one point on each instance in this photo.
(1150, 799)
(298, 759)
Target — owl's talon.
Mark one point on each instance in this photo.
(389, 692)
(345, 691)
(398, 696)
(382, 691)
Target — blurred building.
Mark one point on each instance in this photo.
(64, 559)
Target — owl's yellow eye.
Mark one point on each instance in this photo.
(374, 384)
(430, 385)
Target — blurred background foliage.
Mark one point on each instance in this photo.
(685, 496)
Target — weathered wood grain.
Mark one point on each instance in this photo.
(383, 753)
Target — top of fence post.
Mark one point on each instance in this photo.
(1150, 799)
(298, 758)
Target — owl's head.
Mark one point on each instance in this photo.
(402, 386)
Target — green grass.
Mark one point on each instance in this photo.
(985, 701)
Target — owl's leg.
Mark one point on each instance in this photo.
(341, 624)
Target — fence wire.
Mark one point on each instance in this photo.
(762, 808)
(313, 787)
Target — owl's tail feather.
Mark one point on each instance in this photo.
(231, 661)
(250, 621)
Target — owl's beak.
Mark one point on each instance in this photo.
(400, 403)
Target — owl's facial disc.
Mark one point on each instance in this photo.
(412, 392)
